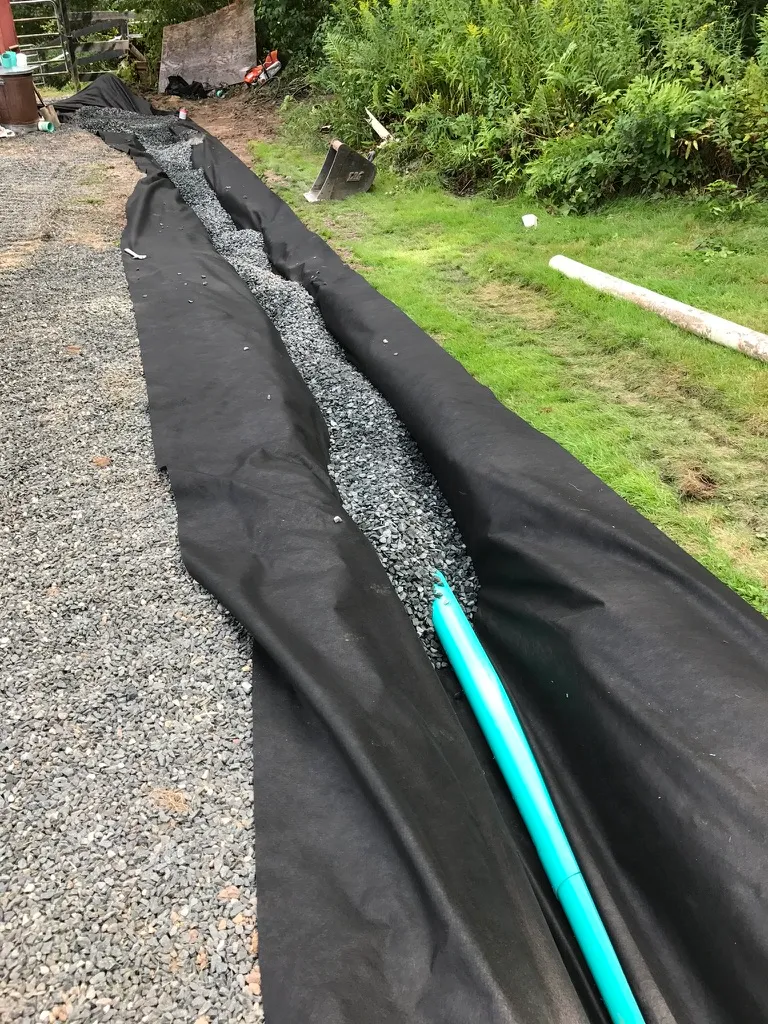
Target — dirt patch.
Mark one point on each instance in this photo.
(19, 255)
(522, 303)
(234, 120)
(271, 178)
(74, 189)
(95, 215)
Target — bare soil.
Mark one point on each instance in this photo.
(236, 119)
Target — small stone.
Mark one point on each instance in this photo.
(253, 981)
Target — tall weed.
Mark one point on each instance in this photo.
(574, 100)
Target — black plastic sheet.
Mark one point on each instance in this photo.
(395, 881)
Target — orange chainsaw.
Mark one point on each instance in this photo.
(262, 73)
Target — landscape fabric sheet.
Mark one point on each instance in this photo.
(396, 882)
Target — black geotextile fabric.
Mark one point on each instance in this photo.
(395, 881)
(105, 91)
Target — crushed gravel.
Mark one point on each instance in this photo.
(383, 480)
(126, 863)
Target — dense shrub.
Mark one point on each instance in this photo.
(574, 100)
(289, 25)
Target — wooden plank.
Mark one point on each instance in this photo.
(102, 49)
(99, 26)
(94, 58)
(104, 15)
(95, 50)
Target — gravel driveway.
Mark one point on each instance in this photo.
(126, 865)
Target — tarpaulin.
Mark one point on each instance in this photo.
(395, 880)
(105, 91)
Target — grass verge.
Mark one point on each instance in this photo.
(678, 426)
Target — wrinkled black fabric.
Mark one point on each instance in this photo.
(105, 91)
(389, 856)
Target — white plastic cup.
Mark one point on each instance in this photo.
(183, 114)
(21, 61)
(530, 220)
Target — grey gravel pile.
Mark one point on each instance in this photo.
(126, 863)
(384, 483)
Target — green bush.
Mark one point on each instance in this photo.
(574, 100)
(289, 26)
(574, 173)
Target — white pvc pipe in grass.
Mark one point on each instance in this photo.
(715, 328)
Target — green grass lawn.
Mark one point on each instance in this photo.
(57, 92)
(678, 426)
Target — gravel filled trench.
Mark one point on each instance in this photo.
(384, 482)
(126, 851)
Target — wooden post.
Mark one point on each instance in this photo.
(68, 43)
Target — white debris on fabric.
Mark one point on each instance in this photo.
(383, 481)
(126, 846)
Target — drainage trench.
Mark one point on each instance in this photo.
(384, 483)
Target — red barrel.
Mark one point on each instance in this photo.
(17, 98)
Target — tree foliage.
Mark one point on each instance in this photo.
(290, 25)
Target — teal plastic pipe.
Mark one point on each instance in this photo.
(501, 726)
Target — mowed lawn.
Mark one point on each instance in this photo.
(678, 426)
